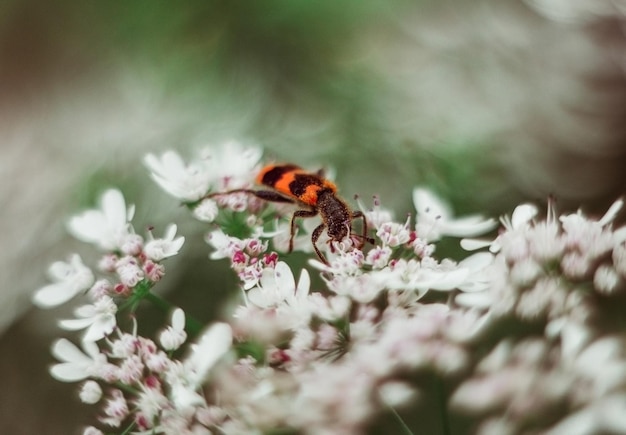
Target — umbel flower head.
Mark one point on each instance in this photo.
(508, 338)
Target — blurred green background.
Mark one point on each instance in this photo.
(490, 103)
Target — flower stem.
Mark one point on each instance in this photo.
(443, 405)
(406, 429)
(192, 325)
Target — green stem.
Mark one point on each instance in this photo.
(407, 430)
(158, 302)
(128, 429)
(192, 325)
(443, 406)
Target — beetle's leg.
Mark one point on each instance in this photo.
(299, 214)
(316, 235)
(364, 238)
(267, 195)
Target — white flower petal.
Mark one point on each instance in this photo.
(72, 277)
(186, 182)
(474, 244)
(285, 282)
(53, 295)
(65, 350)
(468, 227)
(446, 280)
(523, 214)
(75, 324)
(611, 212)
(168, 246)
(107, 227)
(304, 284)
(428, 204)
(478, 261)
(114, 207)
(211, 346)
(178, 319)
(102, 327)
(475, 300)
(68, 372)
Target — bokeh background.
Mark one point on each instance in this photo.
(489, 102)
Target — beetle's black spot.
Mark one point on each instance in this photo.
(271, 177)
(302, 181)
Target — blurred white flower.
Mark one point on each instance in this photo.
(115, 409)
(185, 379)
(168, 246)
(76, 365)
(592, 238)
(69, 279)
(479, 278)
(187, 182)
(129, 271)
(207, 350)
(107, 227)
(605, 416)
(224, 245)
(90, 392)
(232, 165)
(514, 233)
(98, 318)
(434, 219)
(174, 336)
(422, 276)
(277, 288)
(394, 234)
(206, 211)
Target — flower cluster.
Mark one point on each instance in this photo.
(357, 335)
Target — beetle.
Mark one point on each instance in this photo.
(317, 196)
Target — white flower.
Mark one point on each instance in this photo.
(69, 279)
(168, 246)
(378, 257)
(107, 227)
(278, 288)
(513, 237)
(605, 415)
(76, 365)
(361, 288)
(90, 392)
(422, 276)
(129, 271)
(232, 165)
(592, 238)
(224, 245)
(115, 409)
(394, 234)
(206, 211)
(478, 279)
(150, 403)
(98, 318)
(185, 379)
(606, 279)
(186, 182)
(209, 348)
(174, 336)
(434, 219)
(395, 393)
